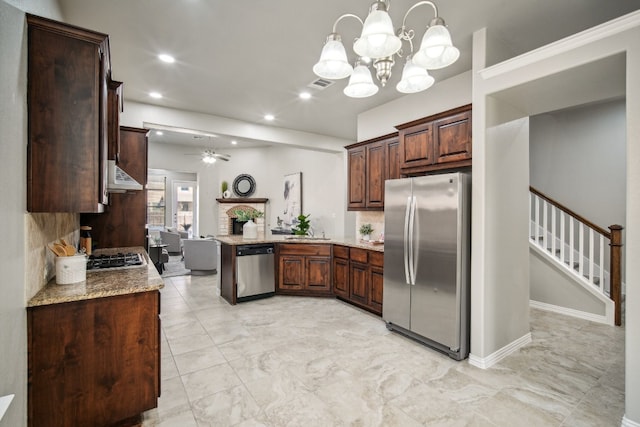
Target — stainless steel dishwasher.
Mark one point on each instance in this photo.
(255, 270)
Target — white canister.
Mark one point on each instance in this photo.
(250, 230)
(71, 269)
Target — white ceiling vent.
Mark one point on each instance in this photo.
(321, 84)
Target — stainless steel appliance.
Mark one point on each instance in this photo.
(115, 261)
(255, 271)
(427, 260)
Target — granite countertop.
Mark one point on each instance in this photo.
(103, 283)
(353, 242)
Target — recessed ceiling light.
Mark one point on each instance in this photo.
(269, 117)
(234, 142)
(156, 95)
(159, 133)
(166, 58)
(304, 95)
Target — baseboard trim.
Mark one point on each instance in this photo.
(570, 312)
(626, 422)
(497, 356)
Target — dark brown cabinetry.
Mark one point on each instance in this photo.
(115, 107)
(94, 362)
(68, 71)
(442, 141)
(304, 269)
(123, 224)
(368, 168)
(358, 277)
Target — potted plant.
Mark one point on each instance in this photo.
(365, 231)
(302, 227)
(224, 186)
(249, 229)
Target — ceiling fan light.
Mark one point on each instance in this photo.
(333, 62)
(414, 78)
(436, 49)
(360, 84)
(378, 40)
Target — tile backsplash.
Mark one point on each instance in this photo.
(42, 229)
(375, 218)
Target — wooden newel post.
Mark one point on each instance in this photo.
(615, 268)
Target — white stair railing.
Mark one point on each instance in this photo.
(581, 248)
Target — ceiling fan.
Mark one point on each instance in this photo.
(209, 155)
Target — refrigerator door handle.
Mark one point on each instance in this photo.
(412, 255)
(406, 238)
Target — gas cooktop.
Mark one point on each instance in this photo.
(115, 261)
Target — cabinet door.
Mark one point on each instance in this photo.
(453, 138)
(93, 362)
(341, 277)
(318, 274)
(291, 272)
(359, 282)
(356, 170)
(65, 163)
(416, 146)
(375, 292)
(375, 174)
(114, 109)
(392, 161)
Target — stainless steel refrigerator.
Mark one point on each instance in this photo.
(427, 260)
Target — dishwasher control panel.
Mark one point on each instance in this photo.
(258, 249)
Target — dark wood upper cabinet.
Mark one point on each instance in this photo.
(375, 176)
(123, 224)
(114, 108)
(68, 69)
(370, 165)
(441, 141)
(453, 137)
(357, 178)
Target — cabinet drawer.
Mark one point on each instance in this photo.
(376, 258)
(341, 252)
(304, 249)
(359, 255)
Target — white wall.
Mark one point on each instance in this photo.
(442, 96)
(323, 181)
(578, 157)
(13, 134)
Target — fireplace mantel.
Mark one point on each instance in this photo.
(237, 200)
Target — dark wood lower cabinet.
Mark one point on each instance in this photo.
(94, 362)
(358, 277)
(304, 269)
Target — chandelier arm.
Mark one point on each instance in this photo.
(346, 15)
(420, 3)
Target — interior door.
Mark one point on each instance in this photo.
(184, 207)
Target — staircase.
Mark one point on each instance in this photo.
(579, 247)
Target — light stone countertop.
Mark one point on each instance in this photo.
(103, 283)
(235, 240)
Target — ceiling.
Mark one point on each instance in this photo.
(244, 59)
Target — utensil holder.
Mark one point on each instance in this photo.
(71, 269)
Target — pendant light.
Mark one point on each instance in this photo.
(360, 84)
(436, 50)
(333, 62)
(378, 39)
(414, 78)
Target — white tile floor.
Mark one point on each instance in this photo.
(293, 361)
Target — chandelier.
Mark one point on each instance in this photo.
(377, 46)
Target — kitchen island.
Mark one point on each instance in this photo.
(346, 268)
(94, 348)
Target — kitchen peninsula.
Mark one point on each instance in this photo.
(313, 266)
(94, 347)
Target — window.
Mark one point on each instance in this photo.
(156, 202)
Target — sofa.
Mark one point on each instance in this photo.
(201, 256)
(173, 241)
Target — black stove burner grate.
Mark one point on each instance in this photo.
(96, 262)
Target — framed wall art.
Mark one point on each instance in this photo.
(292, 197)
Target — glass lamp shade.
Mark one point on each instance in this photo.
(208, 159)
(436, 50)
(378, 39)
(333, 62)
(360, 84)
(414, 78)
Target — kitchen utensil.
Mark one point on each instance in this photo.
(69, 250)
(58, 249)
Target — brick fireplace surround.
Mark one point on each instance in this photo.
(227, 208)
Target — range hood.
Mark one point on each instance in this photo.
(119, 180)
